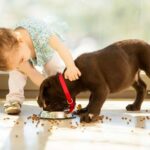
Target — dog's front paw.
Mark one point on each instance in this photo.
(132, 107)
(86, 117)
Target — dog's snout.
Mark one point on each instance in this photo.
(40, 102)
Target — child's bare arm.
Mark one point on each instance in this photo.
(72, 72)
(32, 73)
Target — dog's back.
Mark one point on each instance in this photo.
(115, 65)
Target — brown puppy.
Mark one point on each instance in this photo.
(109, 70)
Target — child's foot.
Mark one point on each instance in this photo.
(12, 108)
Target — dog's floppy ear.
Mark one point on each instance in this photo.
(41, 98)
(51, 84)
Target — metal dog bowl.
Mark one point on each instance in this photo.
(56, 115)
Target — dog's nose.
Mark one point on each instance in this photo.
(46, 108)
(39, 102)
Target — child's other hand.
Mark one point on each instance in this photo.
(72, 73)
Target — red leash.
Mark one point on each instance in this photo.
(67, 93)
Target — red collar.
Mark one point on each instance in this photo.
(66, 92)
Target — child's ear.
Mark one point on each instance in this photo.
(18, 36)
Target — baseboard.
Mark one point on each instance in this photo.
(28, 93)
(130, 94)
(31, 90)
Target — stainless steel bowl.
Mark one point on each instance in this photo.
(56, 115)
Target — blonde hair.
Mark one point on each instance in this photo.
(7, 42)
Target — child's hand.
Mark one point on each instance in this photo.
(72, 73)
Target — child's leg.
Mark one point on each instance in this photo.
(54, 65)
(16, 84)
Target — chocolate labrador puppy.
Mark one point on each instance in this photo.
(110, 70)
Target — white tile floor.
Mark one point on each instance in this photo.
(120, 130)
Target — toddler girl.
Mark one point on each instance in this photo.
(33, 43)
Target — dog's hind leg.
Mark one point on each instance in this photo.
(140, 88)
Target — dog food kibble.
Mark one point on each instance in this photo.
(17, 122)
(29, 117)
(79, 107)
(106, 118)
(49, 130)
(42, 124)
(34, 117)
